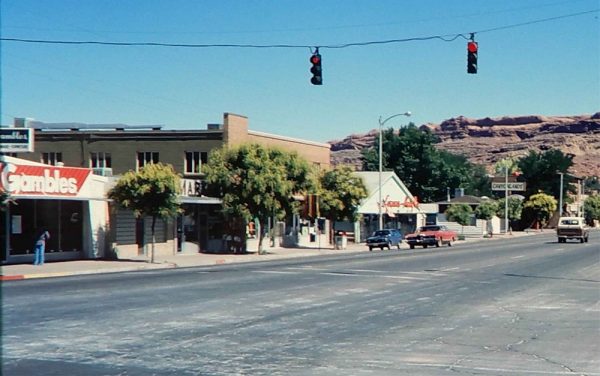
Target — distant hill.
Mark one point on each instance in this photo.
(485, 141)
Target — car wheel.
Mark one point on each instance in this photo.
(581, 240)
(450, 243)
(370, 248)
(424, 245)
(437, 243)
(398, 245)
(586, 240)
(412, 246)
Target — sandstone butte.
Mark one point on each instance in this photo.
(486, 141)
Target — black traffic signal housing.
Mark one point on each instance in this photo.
(316, 69)
(472, 50)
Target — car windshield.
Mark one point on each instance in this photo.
(381, 233)
(569, 222)
(429, 228)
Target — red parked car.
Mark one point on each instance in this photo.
(434, 235)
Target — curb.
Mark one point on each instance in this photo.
(16, 277)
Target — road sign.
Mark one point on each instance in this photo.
(512, 186)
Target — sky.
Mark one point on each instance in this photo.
(534, 58)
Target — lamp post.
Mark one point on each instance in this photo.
(560, 195)
(506, 199)
(381, 123)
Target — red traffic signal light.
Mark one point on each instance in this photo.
(316, 70)
(472, 49)
(472, 46)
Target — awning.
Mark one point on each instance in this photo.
(200, 200)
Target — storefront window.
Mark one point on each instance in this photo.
(61, 218)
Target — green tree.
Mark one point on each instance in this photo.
(486, 210)
(151, 192)
(541, 172)
(540, 207)
(515, 209)
(341, 194)
(425, 170)
(591, 209)
(512, 164)
(459, 213)
(256, 182)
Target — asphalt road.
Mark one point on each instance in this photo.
(525, 306)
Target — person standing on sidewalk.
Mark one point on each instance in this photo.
(40, 248)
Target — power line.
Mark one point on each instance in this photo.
(445, 38)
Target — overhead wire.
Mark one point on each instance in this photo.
(444, 38)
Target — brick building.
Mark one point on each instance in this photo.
(113, 149)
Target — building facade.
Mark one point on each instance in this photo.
(67, 202)
(110, 150)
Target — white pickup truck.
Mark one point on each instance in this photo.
(572, 228)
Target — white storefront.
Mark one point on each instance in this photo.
(399, 208)
(69, 202)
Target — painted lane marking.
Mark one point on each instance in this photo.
(517, 257)
(403, 277)
(273, 272)
(343, 274)
(365, 270)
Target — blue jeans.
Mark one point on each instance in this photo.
(39, 254)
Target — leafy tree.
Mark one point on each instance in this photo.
(425, 170)
(256, 182)
(540, 207)
(515, 209)
(591, 209)
(151, 192)
(512, 164)
(486, 210)
(341, 194)
(541, 172)
(460, 213)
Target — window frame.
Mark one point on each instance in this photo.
(52, 158)
(146, 157)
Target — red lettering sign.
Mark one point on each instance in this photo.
(42, 180)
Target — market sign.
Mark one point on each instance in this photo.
(512, 186)
(15, 140)
(42, 180)
(191, 187)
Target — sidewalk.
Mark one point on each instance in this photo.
(81, 267)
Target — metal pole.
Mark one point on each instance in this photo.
(580, 193)
(560, 204)
(506, 199)
(381, 123)
(380, 217)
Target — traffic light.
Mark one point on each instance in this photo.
(316, 70)
(472, 57)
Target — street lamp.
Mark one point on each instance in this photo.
(381, 123)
